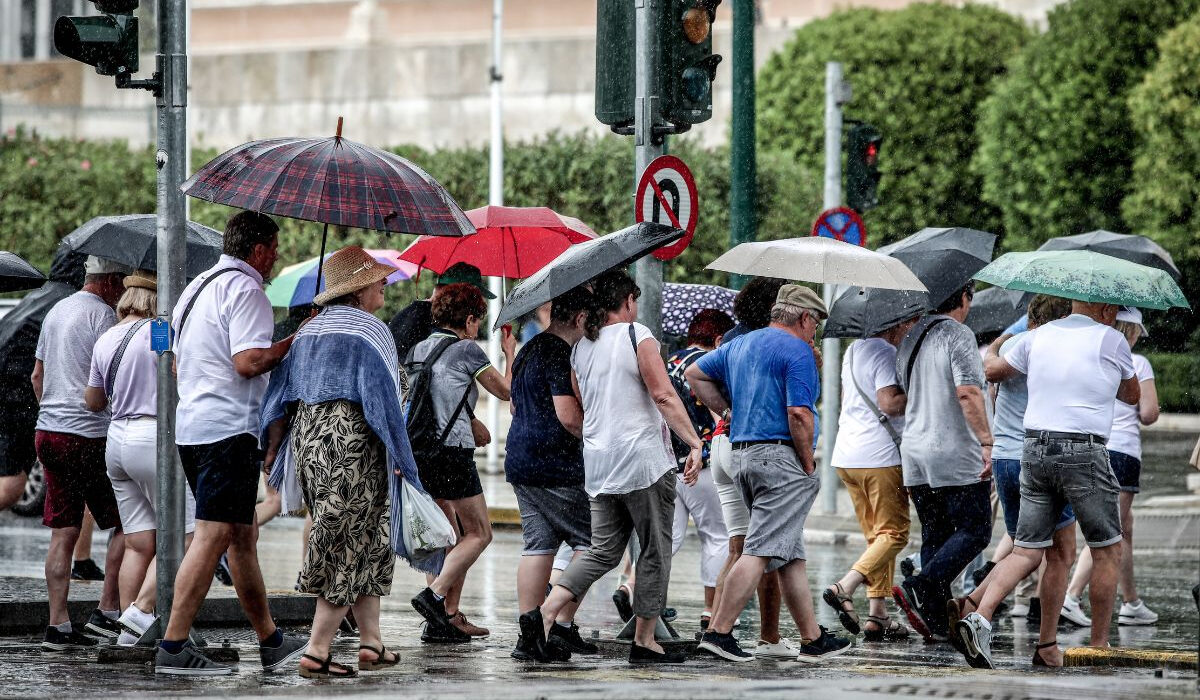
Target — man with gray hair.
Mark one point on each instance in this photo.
(771, 376)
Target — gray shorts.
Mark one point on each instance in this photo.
(1057, 472)
(552, 515)
(780, 495)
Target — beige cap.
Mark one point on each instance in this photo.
(349, 270)
(805, 298)
(104, 266)
(143, 279)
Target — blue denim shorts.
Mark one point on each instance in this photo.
(1007, 473)
(1057, 472)
(1127, 469)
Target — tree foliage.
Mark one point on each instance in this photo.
(1056, 141)
(918, 74)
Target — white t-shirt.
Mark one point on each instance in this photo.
(135, 390)
(626, 442)
(1073, 368)
(231, 315)
(1126, 435)
(862, 442)
(65, 349)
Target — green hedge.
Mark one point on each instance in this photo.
(1177, 378)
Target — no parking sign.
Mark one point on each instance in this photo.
(842, 224)
(666, 194)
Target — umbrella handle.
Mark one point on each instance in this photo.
(321, 258)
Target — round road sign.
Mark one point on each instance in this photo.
(666, 194)
(843, 224)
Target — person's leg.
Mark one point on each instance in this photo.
(110, 593)
(366, 613)
(476, 535)
(969, 514)
(83, 543)
(793, 580)
(680, 520)
(1005, 577)
(705, 509)
(566, 614)
(325, 625)
(1053, 588)
(1128, 587)
(1106, 563)
(735, 551)
(269, 508)
(1082, 575)
(139, 552)
(58, 571)
(611, 529)
(533, 572)
(740, 584)
(770, 602)
(11, 489)
(652, 511)
(194, 577)
(248, 580)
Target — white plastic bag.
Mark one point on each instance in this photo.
(425, 525)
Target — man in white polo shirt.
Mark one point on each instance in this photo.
(223, 324)
(1074, 368)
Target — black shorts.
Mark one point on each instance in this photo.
(223, 476)
(1127, 469)
(17, 453)
(450, 475)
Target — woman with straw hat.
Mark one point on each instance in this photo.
(337, 392)
(123, 381)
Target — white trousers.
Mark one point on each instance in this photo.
(702, 502)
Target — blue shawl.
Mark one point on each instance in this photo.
(346, 353)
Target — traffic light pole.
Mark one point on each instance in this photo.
(495, 198)
(647, 146)
(172, 263)
(744, 169)
(831, 365)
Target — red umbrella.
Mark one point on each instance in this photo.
(512, 242)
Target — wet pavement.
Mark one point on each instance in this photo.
(870, 670)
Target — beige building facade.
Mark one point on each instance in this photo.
(399, 71)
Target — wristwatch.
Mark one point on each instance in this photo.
(725, 414)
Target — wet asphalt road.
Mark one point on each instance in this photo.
(870, 670)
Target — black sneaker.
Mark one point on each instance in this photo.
(907, 568)
(824, 647)
(704, 622)
(1035, 611)
(86, 570)
(222, 572)
(624, 604)
(57, 640)
(523, 651)
(188, 662)
(639, 654)
(569, 636)
(100, 626)
(906, 598)
(723, 646)
(430, 608)
(536, 644)
(443, 633)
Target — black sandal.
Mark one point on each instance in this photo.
(1037, 653)
(888, 630)
(380, 662)
(328, 668)
(837, 601)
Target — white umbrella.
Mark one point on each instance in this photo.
(821, 260)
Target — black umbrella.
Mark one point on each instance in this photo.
(1133, 248)
(944, 259)
(996, 308)
(132, 240)
(582, 262)
(16, 274)
(862, 312)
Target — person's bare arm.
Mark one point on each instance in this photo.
(654, 377)
(570, 414)
(94, 398)
(800, 425)
(275, 432)
(1130, 391)
(706, 389)
(39, 371)
(1148, 404)
(970, 400)
(500, 385)
(256, 362)
(891, 400)
(995, 367)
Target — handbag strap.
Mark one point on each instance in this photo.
(912, 357)
(192, 302)
(880, 415)
(110, 379)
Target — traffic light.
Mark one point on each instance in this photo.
(108, 41)
(687, 64)
(862, 167)
(616, 45)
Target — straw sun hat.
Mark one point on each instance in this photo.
(141, 279)
(349, 270)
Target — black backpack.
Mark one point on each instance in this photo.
(701, 419)
(421, 419)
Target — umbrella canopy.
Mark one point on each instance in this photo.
(863, 312)
(1085, 275)
(17, 275)
(331, 181)
(944, 259)
(681, 303)
(1138, 249)
(294, 285)
(132, 240)
(582, 262)
(996, 308)
(512, 242)
(816, 259)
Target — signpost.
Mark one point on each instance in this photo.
(666, 194)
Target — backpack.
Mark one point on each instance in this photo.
(701, 419)
(421, 418)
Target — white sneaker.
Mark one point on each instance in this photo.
(1071, 612)
(1136, 614)
(783, 649)
(126, 639)
(135, 621)
(1019, 609)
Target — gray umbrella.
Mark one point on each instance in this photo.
(582, 262)
(16, 274)
(996, 308)
(1133, 248)
(944, 259)
(863, 312)
(132, 240)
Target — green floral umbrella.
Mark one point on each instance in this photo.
(1086, 276)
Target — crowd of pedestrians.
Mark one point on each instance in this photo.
(610, 450)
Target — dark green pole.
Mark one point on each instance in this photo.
(744, 169)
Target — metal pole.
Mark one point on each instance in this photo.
(495, 198)
(744, 169)
(831, 366)
(172, 259)
(648, 269)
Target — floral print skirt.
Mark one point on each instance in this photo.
(342, 468)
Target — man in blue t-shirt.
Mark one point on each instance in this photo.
(544, 463)
(771, 375)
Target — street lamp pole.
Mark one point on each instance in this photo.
(647, 146)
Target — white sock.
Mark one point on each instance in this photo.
(1071, 599)
(564, 625)
(111, 614)
(64, 627)
(1135, 603)
(138, 615)
(436, 596)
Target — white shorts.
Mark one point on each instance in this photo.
(733, 508)
(131, 458)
